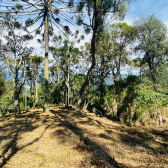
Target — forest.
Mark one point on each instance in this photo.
(77, 76)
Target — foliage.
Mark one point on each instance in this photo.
(57, 93)
(77, 81)
(112, 47)
(77, 75)
(33, 69)
(97, 11)
(135, 97)
(149, 98)
(152, 43)
(6, 99)
(65, 56)
(2, 84)
(16, 51)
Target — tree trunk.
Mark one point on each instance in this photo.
(25, 99)
(108, 106)
(46, 106)
(93, 51)
(82, 90)
(67, 86)
(66, 97)
(160, 117)
(15, 89)
(58, 75)
(36, 86)
(115, 98)
(67, 80)
(58, 81)
(95, 24)
(17, 104)
(102, 75)
(85, 105)
(152, 72)
(31, 93)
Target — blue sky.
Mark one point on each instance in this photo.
(137, 8)
(148, 7)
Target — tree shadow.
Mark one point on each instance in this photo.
(143, 139)
(74, 115)
(12, 130)
(98, 153)
(136, 140)
(163, 134)
(99, 123)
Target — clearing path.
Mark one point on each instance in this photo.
(65, 138)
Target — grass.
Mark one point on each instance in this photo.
(70, 139)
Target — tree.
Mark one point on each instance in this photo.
(112, 47)
(2, 84)
(66, 56)
(15, 57)
(85, 59)
(6, 99)
(152, 43)
(33, 68)
(97, 11)
(49, 13)
(80, 68)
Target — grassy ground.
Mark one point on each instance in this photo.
(65, 138)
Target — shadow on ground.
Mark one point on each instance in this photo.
(11, 131)
(135, 140)
(99, 156)
(102, 143)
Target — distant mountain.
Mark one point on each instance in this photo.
(109, 81)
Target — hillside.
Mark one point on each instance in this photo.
(70, 139)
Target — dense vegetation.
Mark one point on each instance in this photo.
(76, 76)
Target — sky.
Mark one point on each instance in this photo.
(148, 7)
(137, 8)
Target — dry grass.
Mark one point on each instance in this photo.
(70, 139)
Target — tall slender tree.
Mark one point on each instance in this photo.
(47, 13)
(33, 69)
(94, 20)
(68, 55)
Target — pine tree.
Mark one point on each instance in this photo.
(47, 14)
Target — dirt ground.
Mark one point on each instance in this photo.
(65, 138)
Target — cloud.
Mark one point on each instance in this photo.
(128, 20)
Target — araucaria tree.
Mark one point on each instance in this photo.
(47, 13)
(33, 69)
(92, 17)
(66, 55)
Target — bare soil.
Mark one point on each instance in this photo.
(65, 138)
